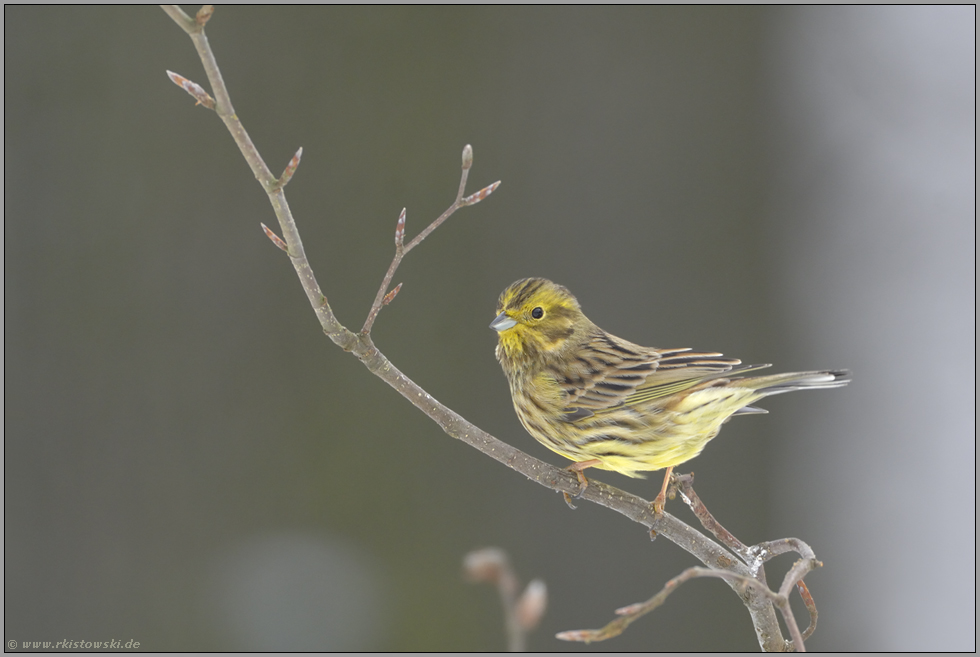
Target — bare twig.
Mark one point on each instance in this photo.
(521, 615)
(226, 112)
(767, 550)
(810, 607)
(685, 488)
(401, 249)
(632, 612)
(756, 597)
(629, 614)
(756, 555)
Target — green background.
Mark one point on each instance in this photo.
(191, 463)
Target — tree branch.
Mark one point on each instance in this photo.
(721, 562)
(632, 612)
(401, 249)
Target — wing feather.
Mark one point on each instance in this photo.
(609, 372)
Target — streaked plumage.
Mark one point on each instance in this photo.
(607, 403)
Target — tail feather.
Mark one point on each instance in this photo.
(750, 410)
(779, 383)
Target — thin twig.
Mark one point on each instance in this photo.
(756, 555)
(810, 607)
(631, 613)
(685, 488)
(795, 575)
(558, 479)
(386, 281)
(401, 249)
(769, 549)
(223, 107)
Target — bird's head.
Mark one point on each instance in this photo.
(537, 318)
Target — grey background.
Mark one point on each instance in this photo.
(190, 463)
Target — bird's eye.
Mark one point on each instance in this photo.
(537, 313)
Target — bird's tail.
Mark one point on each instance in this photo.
(776, 384)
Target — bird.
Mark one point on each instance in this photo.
(604, 402)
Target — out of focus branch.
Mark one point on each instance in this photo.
(521, 614)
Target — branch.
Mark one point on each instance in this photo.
(632, 612)
(401, 250)
(757, 555)
(754, 581)
(810, 607)
(521, 615)
(757, 598)
(685, 488)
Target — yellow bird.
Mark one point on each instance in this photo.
(607, 403)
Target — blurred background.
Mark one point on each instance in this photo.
(191, 464)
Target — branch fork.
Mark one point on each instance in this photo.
(383, 297)
(755, 580)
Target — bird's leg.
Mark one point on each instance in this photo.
(577, 469)
(658, 501)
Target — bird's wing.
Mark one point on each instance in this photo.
(610, 372)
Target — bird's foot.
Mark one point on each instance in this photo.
(583, 482)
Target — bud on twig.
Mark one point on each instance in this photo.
(467, 157)
(204, 14)
(484, 565)
(193, 88)
(583, 636)
(400, 230)
(531, 606)
(391, 295)
(275, 238)
(475, 198)
(287, 174)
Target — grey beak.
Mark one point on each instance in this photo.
(502, 323)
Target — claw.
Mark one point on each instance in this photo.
(577, 469)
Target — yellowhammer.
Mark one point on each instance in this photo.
(607, 403)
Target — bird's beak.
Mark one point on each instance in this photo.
(502, 323)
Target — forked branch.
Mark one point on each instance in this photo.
(754, 557)
(523, 612)
(383, 298)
